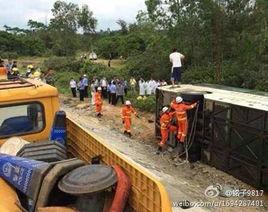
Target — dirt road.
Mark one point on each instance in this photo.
(182, 181)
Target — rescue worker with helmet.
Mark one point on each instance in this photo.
(180, 109)
(165, 124)
(15, 72)
(29, 70)
(37, 73)
(98, 101)
(126, 112)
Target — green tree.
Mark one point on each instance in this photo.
(86, 20)
(63, 27)
(65, 16)
(123, 26)
(36, 26)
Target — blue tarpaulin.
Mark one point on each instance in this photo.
(19, 171)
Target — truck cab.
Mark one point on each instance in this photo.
(27, 109)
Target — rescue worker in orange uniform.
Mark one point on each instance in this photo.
(98, 102)
(165, 124)
(126, 112)
(180, 109)
(3, 70)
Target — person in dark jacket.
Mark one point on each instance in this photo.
(120, 92)
(86, 84)
(125, 86)
(113, 93)
(81, 88)
(109, 92)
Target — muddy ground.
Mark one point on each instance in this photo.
(182, 180)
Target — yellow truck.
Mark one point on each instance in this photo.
(17, 97)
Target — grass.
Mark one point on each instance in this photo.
(116, 63)
(36, 61)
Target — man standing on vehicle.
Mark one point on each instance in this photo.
(176, 58)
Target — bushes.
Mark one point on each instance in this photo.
(13, 45)
(60, 64)
(62, 80)
(8, 55)
(99, 70)
(144, 104)
(106, 45)
(65, 68)
(199, 75)
(153, 62)
(64, 44)
(68, 67)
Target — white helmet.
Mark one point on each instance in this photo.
(128, 102)
(99, 89)
(85, 75)
(179, 99)
(165, 109)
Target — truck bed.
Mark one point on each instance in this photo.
(147, 193)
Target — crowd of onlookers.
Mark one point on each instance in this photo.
(12, 71)
(113, 90)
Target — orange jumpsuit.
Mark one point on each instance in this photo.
(98, 102)
(165, 127)
(126, 117)
(3, 71)
(181, 116)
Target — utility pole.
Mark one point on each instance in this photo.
(217, 26)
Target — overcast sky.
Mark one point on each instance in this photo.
(18, 12)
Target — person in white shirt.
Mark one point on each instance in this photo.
(148, 88)
(142, 87)
(175, 59)
(151, 86)
(104, 84)
(154, 87)
(73, 87)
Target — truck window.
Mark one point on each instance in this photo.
(21, 119)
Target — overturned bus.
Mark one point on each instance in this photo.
(230, 132)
